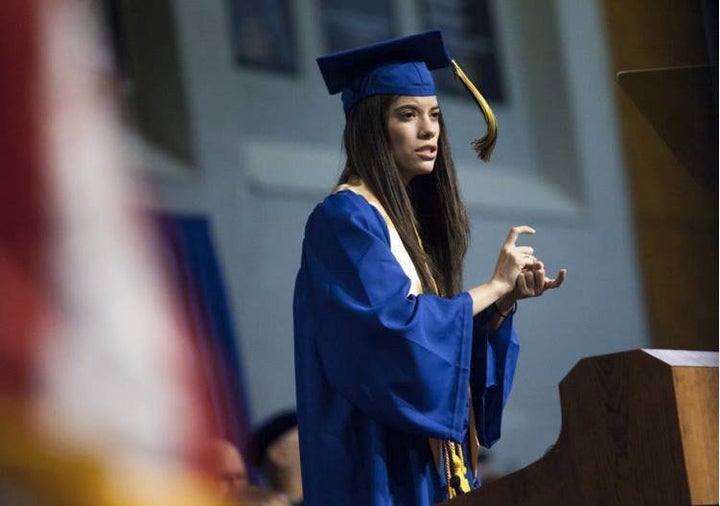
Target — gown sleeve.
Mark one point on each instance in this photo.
(494, 357)
(402, 360)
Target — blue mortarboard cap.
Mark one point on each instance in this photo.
(398, 66)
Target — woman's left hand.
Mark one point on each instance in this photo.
(533, 282)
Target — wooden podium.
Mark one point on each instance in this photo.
(638, 428)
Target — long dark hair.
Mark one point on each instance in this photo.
(431, 203)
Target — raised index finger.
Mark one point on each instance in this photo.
(515, 233)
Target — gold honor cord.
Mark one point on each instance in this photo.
(484, 146)
(455, 470)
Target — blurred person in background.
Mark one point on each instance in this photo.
(276, 453)
(229, 471)
(227, 468)
(399, 372)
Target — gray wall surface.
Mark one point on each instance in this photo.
(268, 149)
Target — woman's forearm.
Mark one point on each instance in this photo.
(484, 295)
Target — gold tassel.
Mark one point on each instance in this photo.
(455, 470)
(483, 147)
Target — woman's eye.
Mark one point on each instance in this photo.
(435, 114)
(408, 114)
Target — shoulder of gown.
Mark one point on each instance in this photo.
(346, 212)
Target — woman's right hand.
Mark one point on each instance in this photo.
(512, 259)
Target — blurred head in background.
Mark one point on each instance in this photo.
(276, 452)
(228, 468)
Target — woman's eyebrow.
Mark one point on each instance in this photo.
(415, 107)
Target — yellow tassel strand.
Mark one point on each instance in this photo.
(455, 470)
(484, 146)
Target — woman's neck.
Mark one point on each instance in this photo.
(355, 181)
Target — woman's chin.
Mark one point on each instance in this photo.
(418, 169)
(426, 168)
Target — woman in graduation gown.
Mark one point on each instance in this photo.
(399, 373)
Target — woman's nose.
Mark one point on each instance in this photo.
(428, 129)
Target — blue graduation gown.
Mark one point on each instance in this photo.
(378, 371)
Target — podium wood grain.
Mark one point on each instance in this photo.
(638, 427)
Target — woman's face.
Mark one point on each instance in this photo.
(414, 128)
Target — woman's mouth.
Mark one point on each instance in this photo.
(427, 152)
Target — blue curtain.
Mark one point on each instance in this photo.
(194, 270)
